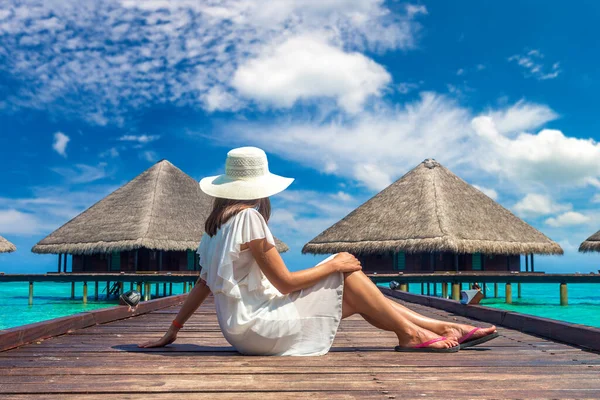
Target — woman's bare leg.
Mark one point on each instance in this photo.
(363, 297)
(448, 329)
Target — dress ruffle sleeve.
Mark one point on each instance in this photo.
(217, 270)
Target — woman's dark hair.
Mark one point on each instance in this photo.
(224, 209)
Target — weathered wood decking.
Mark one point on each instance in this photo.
(104, 362)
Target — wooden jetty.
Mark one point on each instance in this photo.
(103, 361)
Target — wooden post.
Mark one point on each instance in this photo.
(107, 289)
(84, 292)
(59, 262)
(130, 285)
(96, 291)
(146, 291)
(139, 287)
(65, 263)
(135, 261)
(422, 288)
(508, 291)
(404, 287)
(184, 287)
(455, 291)
(445, 290)
(495, 290)
(428, 289)
(156, 290)
(519, 290)
(564, 299)
(434, 289)
(532, 268)
(30, 293)
(170, 288)
(120, 288)
(72, 290)
(526, 262)
(165, 289)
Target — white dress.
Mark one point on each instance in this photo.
(254, 316)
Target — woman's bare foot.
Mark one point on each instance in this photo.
(457, 331)
(420, 335)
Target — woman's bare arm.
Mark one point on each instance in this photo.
(272, 265)
(196, 297)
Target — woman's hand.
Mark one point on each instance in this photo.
(346, 262)
(168, 338)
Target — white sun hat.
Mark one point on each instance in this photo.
(246, 177)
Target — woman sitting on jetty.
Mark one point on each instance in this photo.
(262, 307)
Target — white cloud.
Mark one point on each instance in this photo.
(372, 147)
(532, 63)
(82, 173)
(306, 67)
(491, 193)
(521, 116)
(460, 72)
(548, 157)
(538, 204)
(569, 218)
(112, 152)
(15, 222)
(596, 198)
(480, 67)
(60, 143)
(149, 156)
(47, 208)
(407, 87)
(141, 139)
(100, 60)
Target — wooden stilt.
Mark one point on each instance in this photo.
(455, 291)
(65, 263)
(146, 291)
(120, 288)
(519, 290)
(30, 293)
(165, 289)
(532, 268)
(107, 289)
(428, 289)
(59, 262)
(130, 285)
(184, 287)
(96, 291)
(526, 262)
(170, 288)
(139, 287)
(564, 298)
(495, 290)
(72, 290)
(156, 290)
(84, 292)
(445, 290)
(422, 288)
(508, 291)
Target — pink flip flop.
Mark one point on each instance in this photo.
(465, 342)
(424, 347)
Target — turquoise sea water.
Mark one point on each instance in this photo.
(542, 300)
(52, 300)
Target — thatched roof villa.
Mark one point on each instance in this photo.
(6, 246)
(152, 223)
(591, 244)
(431, 220)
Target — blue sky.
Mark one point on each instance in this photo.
(345, 96)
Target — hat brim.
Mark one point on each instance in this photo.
(244, 189)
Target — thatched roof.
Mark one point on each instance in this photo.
(591, 244)
(6, 246)
(163, 208)
(431, 209)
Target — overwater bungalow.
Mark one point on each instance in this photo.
(153, 223)
(591, 244)
(6, 246)
(431, 220)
